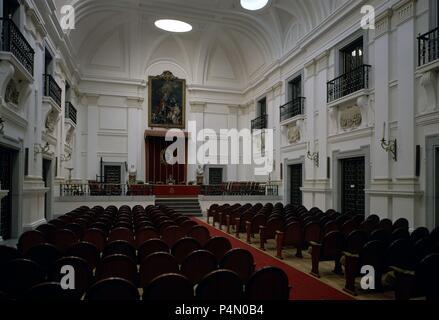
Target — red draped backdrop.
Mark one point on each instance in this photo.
(157, 170)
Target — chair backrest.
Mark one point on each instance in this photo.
(401, 223)
(171, 287)
(428, 276)
(63, 239)
(183, 247)
(172, 234)
(398, 254)
(240, 261)
(355, 241)
(113, 289)
(30, 239)
(333, 244)
(418, 234)
(18, 276)
(50, 291)
(269, 283)
(220, 285)
(83, 272)
(156, 265)
(86, 251)
(145, 234)
(119, 266)
(198, 264)
(47, 230)
(44, 254)
(121, 233)
(120, 247)
(219, 246)
(76, 228)
(150, 247)
(188, 225)
(312, 232)
(200, 233)
(8, 254)
(96, 237)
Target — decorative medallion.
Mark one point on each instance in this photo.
(293, 134)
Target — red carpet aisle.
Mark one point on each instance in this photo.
(304, 286)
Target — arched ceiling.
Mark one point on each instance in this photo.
(227, 47)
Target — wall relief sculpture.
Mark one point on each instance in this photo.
(12, 94)
(52, 120)
(351, 118)
(293, 134)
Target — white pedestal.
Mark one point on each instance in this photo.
(3, 193)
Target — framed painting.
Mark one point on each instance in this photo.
(167, 101)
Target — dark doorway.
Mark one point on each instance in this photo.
(215, 176)
(352, 56)
(47, 178)
(353, 185)
(296, 183)
(6, 171)
(262, 107)
(295, 88)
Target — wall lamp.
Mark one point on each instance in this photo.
(315, 156)
(389, 145)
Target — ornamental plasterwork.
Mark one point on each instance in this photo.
(52, 120)
(12, 93)
(351, 118)
(294, 135)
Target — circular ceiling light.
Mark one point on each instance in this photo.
(254, 5)
(173, 25)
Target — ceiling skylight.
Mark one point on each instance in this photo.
(254, 5)
(173, 25)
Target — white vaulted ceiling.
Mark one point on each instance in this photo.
(228, 46)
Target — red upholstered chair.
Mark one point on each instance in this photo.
(83, 273)
(172, 234)
(253, 225)
(156, 265)
(150, 247)
(198, 264)
(118, 266)
(113, 289)
(121, 233)
(96, 237)
(86, 251)
(120, 247)
(183, 247)
(171, 287)
(63, 239)
(329, 249)
(200, 233)
(240, 261)
(220, 285)
(30, 239)
(145, 234)
(44, 254)
(269, 231)
(187, 226)
(47, 230)
(18, 276)
(50, 291)
(219, 246)
(269, 283)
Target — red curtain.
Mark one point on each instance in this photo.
(157, 170)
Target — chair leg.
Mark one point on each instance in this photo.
(279, 242)
(248, 226)
(337, 267)
(299, 252)
(228, 223)
(262, 237)
(237, 226)
(315, 256)
(351, 268)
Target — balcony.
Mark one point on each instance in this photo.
(71, 113)
(13, 41)
(349, 83)
(260, 123)
(292, 109)
(428, 47)
(52, 90)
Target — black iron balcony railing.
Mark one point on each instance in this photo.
(292, 109)
(71, 112)
(13, 41)
(348, 83)
(260, 123)
(52, 89)
(428, 47)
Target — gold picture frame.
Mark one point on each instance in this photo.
(166, 101)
